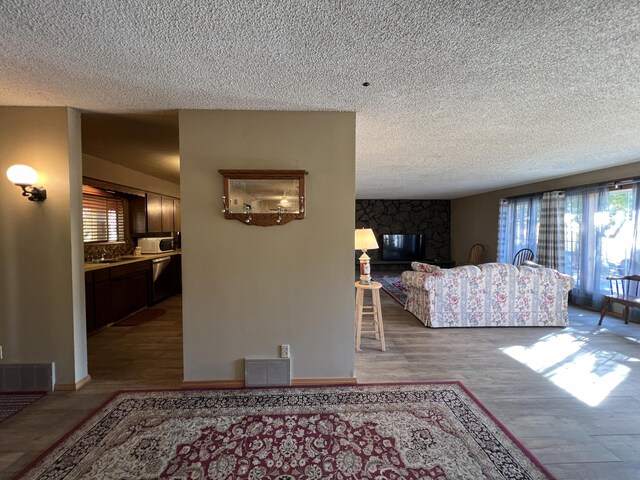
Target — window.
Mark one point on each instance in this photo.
(519, 219)
(602, 235)
(102, 216)
(618, 232)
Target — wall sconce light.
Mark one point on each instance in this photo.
(24, 177)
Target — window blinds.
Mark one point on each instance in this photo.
(102, 216)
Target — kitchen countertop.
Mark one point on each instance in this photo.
(89, 266)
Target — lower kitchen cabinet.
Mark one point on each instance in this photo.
(176, 270)
(114, 293)
(102, 298)
(89, 301)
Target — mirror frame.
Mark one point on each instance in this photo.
(264, 219)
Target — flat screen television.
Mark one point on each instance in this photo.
(403, 246)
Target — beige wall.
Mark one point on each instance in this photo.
(247, 289)
(475, 219)
(100, 169)
(41, 276)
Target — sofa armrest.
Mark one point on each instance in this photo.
(414, 279)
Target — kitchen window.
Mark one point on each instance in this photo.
(102, 216)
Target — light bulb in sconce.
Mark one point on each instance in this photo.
(24, 177)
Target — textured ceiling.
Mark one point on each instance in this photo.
(465, 96)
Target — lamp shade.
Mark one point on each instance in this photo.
(365, 239)
(22, 175)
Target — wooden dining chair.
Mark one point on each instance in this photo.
(524, 255)
(624, 290)
(475, 254)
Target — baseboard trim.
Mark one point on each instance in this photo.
(297, 382)
(302, 382)
(68, 387)
(213, 383)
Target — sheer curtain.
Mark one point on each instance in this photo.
(586, 219)
(518, 226)
(634, 254)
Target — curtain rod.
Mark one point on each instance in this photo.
(615, 184)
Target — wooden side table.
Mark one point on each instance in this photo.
(374, 309)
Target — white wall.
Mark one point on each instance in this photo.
(100, 169)
(247, 289)
(41, 278)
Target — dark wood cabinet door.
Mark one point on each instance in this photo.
(138, 214)
(102, 303)
(89, 301)
(129, 289)
(177, 221)
(167, 214)
(176, 272)
(139, 287)
(154, 213)
(119, 298)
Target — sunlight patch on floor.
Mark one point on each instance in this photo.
(564, 359)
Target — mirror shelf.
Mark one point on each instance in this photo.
(263, 197)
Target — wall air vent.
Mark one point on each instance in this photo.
(27, 377)
(274, 372)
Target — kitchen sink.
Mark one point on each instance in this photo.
(106, 260)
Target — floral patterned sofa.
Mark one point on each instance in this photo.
(487, 295)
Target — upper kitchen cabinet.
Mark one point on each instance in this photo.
(138, 214)
(154, 213)
(160, 214)
(177, 222)
(167, 214)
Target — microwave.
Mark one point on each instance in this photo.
(155, 244)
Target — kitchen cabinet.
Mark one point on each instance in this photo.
(89, 301)
(167, 214)
(154, 214)
(101, 298)
(114, 293)
(177, 219)
(129, 289)
(176, 271)
(138, 214)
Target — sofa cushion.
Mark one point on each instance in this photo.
(424, 267)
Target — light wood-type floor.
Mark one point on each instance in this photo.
(572, 395)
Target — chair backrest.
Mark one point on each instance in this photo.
(526, 254)
(627, 286)
(475, 254)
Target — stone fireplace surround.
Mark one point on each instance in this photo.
(432, 218)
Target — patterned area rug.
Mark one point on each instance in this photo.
(12, 403)
(352, 432)
(394, 287)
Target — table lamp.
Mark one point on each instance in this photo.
(365, 240)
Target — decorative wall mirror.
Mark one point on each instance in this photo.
(263, 197)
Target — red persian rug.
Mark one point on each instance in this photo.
(405, 431)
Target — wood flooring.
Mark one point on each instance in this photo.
(572, 396)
